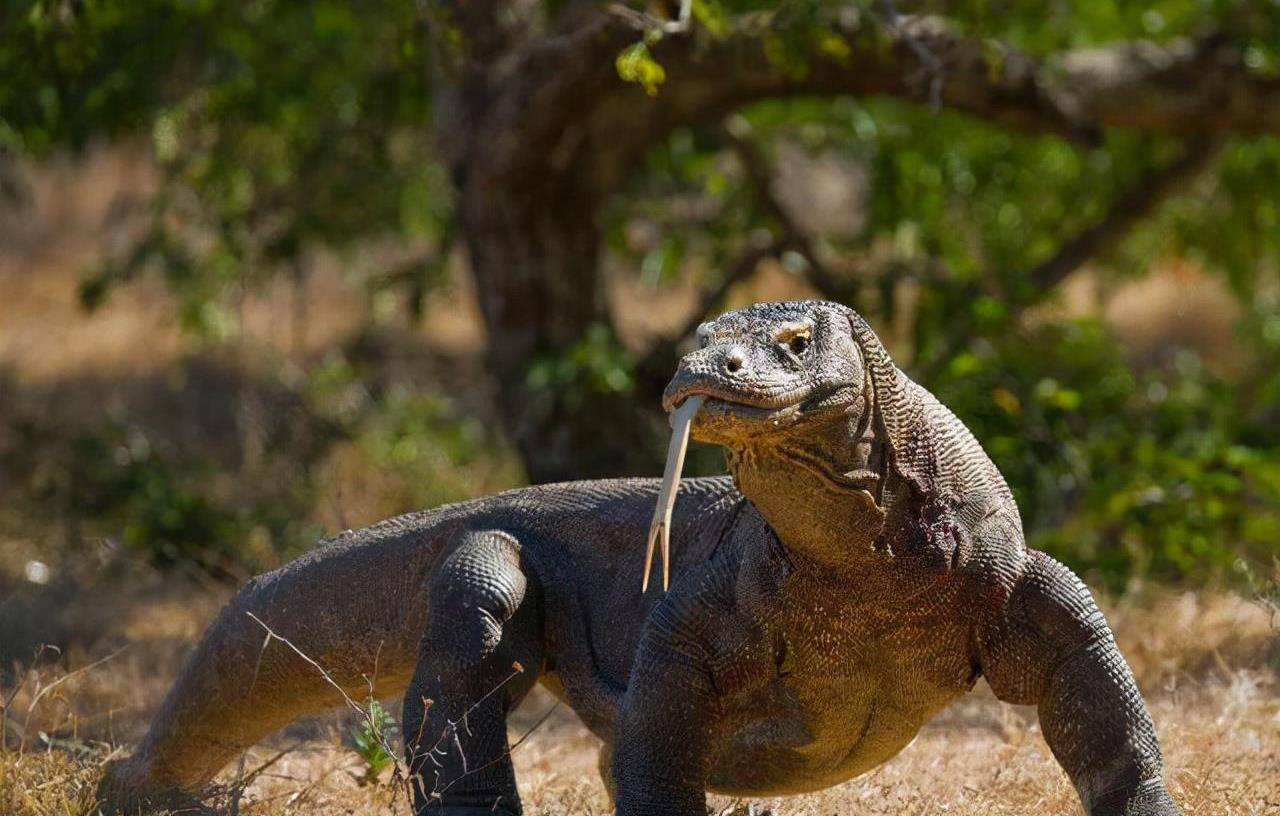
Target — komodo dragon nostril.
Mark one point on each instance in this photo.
(734, 360)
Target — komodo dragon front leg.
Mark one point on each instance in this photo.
(1050, 646)
(666, 726)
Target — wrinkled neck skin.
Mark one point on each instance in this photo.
(818, 488)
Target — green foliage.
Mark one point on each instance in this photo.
(120, 482)
(176, 496)
(426, 448)
(1163, 472)
(1041, 28)
(594, 365)
(164, 512)
(636, 64)
(372, 737)
(712, 16)
(280, 127)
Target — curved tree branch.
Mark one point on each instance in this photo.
(1187, 87)
(562, 105)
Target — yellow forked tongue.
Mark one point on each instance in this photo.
(660, 527)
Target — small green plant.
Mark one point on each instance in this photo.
(372, 739)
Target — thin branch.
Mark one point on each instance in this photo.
(929, 62)
(760, 175)
(681, 23)
(507, 752)
(650, 23)
(41, 692)
(8, 700)
(373, 727)
(237, 787)
(279, 755)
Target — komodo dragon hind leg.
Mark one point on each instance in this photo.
(480, 654)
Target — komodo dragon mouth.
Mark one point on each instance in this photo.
(746, 404)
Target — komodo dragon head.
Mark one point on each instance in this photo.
(801, 384)
(769, 369)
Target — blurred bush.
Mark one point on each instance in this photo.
(1123, 473)
(347, 454)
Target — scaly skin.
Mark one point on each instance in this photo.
(862, 568)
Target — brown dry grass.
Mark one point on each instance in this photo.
(1209, 664)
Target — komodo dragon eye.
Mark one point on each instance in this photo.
(795, 338)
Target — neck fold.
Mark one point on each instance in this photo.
(819, 490)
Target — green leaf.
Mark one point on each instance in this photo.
(636, 64)
(372, 737)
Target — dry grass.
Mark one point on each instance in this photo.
(1209, 664)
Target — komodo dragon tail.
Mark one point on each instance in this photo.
(343, 620)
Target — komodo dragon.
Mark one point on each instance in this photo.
(862, 568)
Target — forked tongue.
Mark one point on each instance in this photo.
(660, 527)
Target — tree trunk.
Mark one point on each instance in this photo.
(536, 143)
(534, 255)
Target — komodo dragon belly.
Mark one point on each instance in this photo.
(837, 710)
